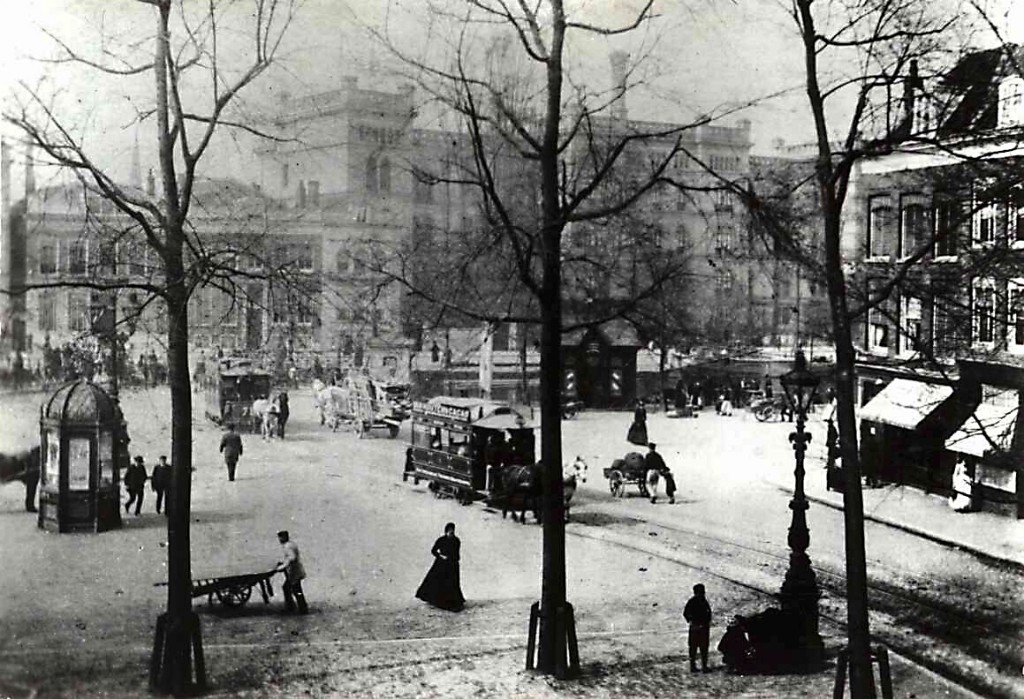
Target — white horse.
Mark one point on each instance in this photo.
(653, 477)
(266, 411)
(332, 402)
(573, 473)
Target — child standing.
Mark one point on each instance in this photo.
(698, 615)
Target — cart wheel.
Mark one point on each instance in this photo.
(764, 413)
(235, 596)
(642, 487)
(616, 485)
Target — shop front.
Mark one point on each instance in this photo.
(599, 365)
(989, 441)
(903, 429)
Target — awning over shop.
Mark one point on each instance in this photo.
(905, 403)
(989, 427)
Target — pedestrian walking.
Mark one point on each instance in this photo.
(441, 586)
(160, 480)
(697, 613)
(658, 470)
(282, 412)
(294, 574)
(637, 433)
(231, 447)
(135, 481)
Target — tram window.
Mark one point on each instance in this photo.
(458, 444)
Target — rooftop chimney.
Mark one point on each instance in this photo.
(30, 172)
(5, 175)
(150, 183)
(136, 173)
(620, 68)
(911, 85)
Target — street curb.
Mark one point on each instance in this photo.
(924, 534)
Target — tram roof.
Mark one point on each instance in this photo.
(478, 411)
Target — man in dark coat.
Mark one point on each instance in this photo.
(231, 447)
(135, 482)
(33, 465)
(698, 615)
(653, 461)
(160, 480)
(282, 413)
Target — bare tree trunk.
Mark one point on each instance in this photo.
(173, 651)
(551, 647)
(862, 683)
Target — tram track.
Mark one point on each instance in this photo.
(934, 633)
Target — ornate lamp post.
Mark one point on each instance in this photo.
(799, 595)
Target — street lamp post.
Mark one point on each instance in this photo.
(800, 593)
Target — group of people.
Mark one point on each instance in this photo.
(135, 478)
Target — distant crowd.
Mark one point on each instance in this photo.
(70, 361)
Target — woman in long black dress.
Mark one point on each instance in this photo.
(441, 586)
(638, 430)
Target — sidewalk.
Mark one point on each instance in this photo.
(914, 511)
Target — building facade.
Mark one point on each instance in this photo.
(937, 230)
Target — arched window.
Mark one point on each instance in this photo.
(371, 174)
(385, 174)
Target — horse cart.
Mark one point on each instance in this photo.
(361, 402)
(231, 392)
(629, 470)
(234, 590)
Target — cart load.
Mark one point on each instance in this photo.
(631, 469)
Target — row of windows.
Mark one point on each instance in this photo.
(78, 311)
(82, 256)
(909, 224)
(983, 322)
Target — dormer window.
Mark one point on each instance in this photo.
(1011, 101)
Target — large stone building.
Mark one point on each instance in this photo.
(938, 228)
(340, 190)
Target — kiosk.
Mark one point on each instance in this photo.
(83, 439)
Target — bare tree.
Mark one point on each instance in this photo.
(859, 54)
(549, 164)
(198, 80)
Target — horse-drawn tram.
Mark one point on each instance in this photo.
(232, 391)
(460, 444)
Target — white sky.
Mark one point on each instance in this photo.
(705, 54)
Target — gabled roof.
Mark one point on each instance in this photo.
(973, 87)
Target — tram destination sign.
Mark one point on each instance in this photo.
(447, 412)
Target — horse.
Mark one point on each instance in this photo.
(521, 488)
(332, 403)
(23, 466)
(573, 473)
(265, 412)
